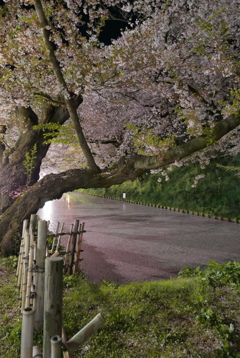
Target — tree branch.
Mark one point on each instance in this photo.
(194, 145)
(67, 95)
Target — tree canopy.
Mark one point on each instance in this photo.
(154, 82)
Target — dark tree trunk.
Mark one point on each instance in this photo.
(52, 187)
(14, 177)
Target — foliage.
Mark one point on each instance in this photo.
(145, 141)
(29, 162)
(216, 274)
(9, 262)
(213, 190)
(56, 133)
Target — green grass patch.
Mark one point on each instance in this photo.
(194, 315)
(10, 318)
(217, 194)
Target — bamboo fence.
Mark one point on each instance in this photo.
(39, 273)
(34, 249)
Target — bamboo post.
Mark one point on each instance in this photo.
(29, 276)
(33, 287)
(73, 246)
(39, 272)
(36, 352)
(25, 267)
(64, 343)
(21, 253)
(67, 255)
(27, 333)
(33, 220)
(20, 264)
(55, 238)
(78, 248)
(85, 332)
(56, 347)
(59, 238)
(52, 302)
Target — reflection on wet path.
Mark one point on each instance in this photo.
(126, 242)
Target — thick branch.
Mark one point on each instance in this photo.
(67, 95)
(54, 185)
(194, 145)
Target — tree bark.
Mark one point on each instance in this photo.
(13, 175)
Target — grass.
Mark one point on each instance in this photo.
(217, 194)
(10, 318)
(195, 315)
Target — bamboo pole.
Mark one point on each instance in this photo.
(56, 347)
(27, 333)
(33, 221)
(20, 264)
(55, 238)
(67, 255)
(36, 352)
(21, 253)
(78, 248)
(29, 276)
(39, 273)
(25, 267)
(85, 332)
(33, 287)
(52, 302)
(19, 258)
(64, 342)
(73, 247)
(59, 238)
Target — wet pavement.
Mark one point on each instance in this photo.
(128, 242)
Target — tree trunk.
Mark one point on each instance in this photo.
(14, 177)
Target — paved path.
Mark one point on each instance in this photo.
(128, 242)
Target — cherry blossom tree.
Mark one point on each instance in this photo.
(166, 89)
